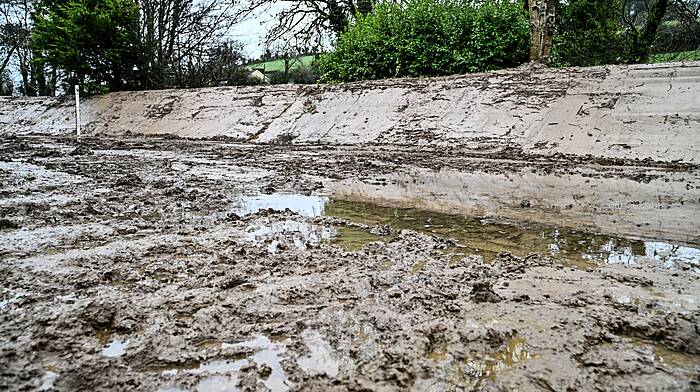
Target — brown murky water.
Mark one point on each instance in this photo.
(472, 372)
(480, 236)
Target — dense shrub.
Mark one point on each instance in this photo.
(588, 32)
(674, 36)
(429, 37)
(277, 77)
(304, 74)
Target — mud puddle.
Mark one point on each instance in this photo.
(470, 373)
(487, 238)
(115, 348)
(303, 205)
(661, 354)
(260, 352)
(650, 204)
(468, 236)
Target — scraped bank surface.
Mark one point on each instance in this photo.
(639, 111)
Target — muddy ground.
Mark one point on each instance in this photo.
(171, 265)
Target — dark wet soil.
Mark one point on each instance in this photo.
(151, 264)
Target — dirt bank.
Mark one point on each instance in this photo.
(171, 265)
(620, 112)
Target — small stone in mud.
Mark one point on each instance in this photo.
(129, 180)
(8, 224)
(81, 149)
(232, 282)
(521, 298)
(483, 292)
(248, 380)
(91, 210)
(380, 230)
(264, 371)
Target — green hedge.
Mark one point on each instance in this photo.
(429, 37)
(589, 33)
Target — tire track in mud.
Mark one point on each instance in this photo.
(204, 299)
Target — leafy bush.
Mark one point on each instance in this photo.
(588, 32)
(429, 37)
(277, 77)
(674, 36)
(304, 74)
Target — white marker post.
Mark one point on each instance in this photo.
(77, 113)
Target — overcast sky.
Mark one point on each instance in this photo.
(251, 32)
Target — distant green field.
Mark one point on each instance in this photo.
(688, 55)
(278, 65)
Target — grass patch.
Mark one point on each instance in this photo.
(278, 65)
(688, 55)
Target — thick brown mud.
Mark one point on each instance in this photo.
(175, 265)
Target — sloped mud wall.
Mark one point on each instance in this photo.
(627, 112)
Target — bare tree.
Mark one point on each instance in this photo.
(289, 52)
(15, 39)
(312, 20)
(178, 34)
(687, 13)
(218, 65)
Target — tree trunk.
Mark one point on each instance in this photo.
(336, 17)
(548, 32)
(38, 70)
(7, 59)
(534, 30)
(51, 87)
(542, 22)
(26, 82)
(648, 34)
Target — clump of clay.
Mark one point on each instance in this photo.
(483, 292)
(81, 149)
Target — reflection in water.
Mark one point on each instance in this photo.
(301, 204)
(486, 369)
(486, 238)
(213, 367)
(268, 353)
(47, 381)
(224, 373)
(663, 355)
(321, 359)
(217, 384)
(668, 254)
(472, 235)
(115, 348)
(301, 234)
(471, 373)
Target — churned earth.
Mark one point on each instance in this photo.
(165, 264)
